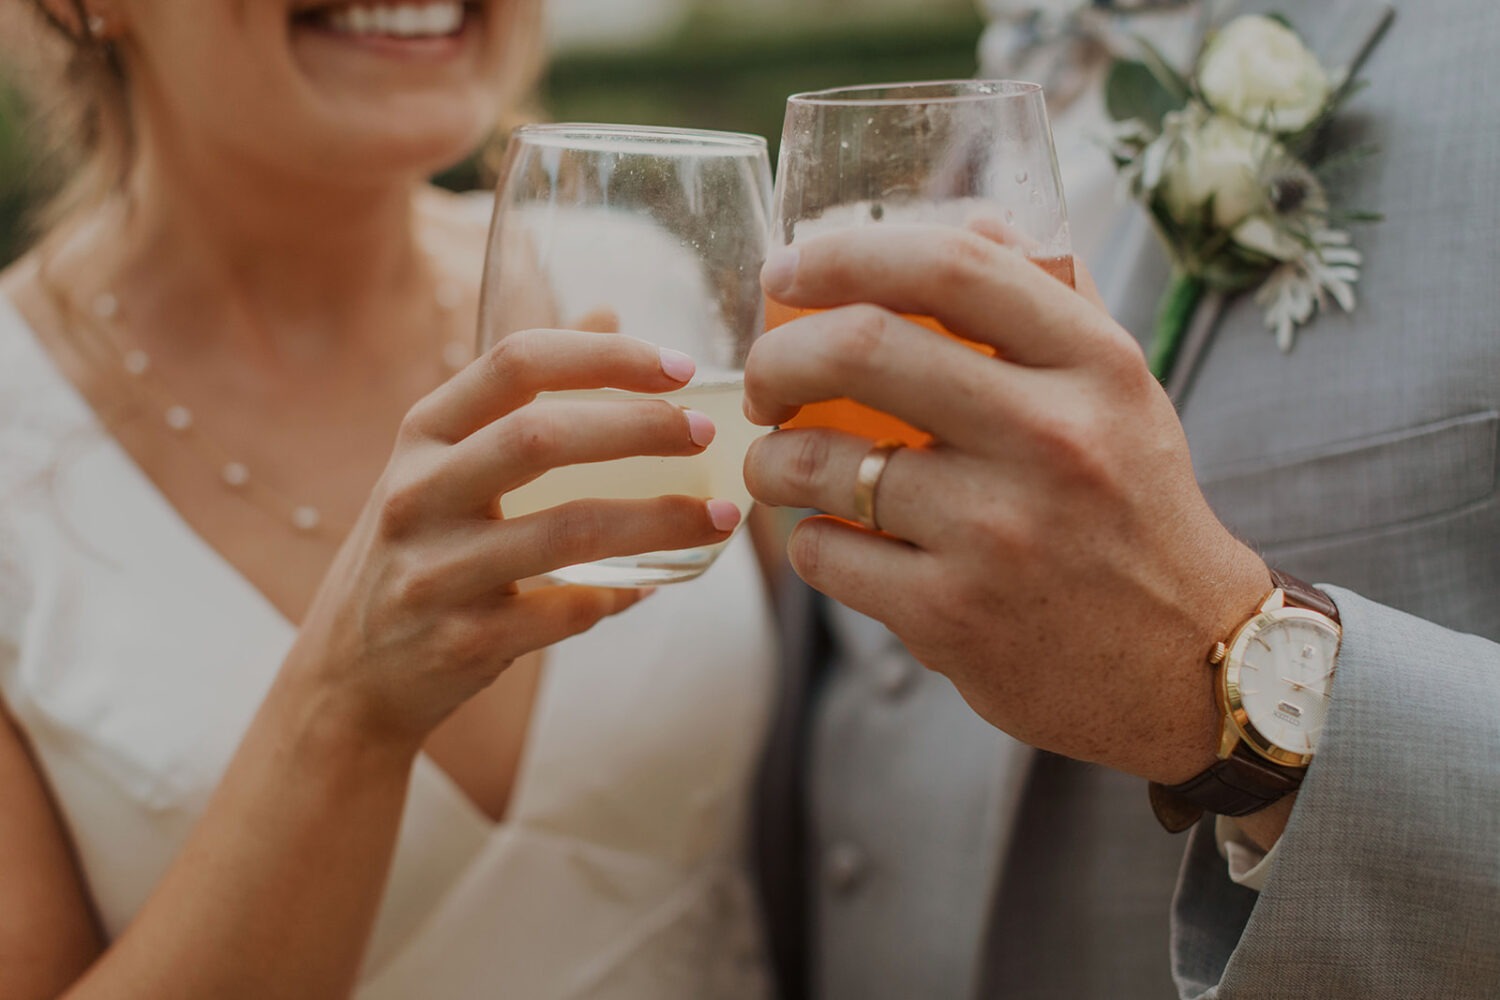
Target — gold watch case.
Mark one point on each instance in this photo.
(1230, 658)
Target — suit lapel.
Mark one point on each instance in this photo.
(1205, 323)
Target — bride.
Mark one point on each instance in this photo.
(280, 714)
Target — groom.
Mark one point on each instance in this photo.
(1067, 577)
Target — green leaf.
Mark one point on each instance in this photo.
(1282, 20)
(1161, 68)
(1132, 91)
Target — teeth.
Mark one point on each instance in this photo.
(406, 20)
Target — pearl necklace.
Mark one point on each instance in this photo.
(235, 475)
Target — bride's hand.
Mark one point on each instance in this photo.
(421, 609)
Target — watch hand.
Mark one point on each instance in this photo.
(1323, 676)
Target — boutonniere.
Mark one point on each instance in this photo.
(1233, 163)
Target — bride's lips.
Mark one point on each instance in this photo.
(427, 29)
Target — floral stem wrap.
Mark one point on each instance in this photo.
(1172, 320)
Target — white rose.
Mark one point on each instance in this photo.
(1258, 70)
(1217, 158)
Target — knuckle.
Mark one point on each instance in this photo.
(511, 356)
(401, 510)
(807, 550)
(465, 641)
(413, 583)
(1077, 448)
(1122, 361)
(1059, 434)
(984, 519)
(416, 421)
(1004, 536)
(962, 256)
(808, 460)
(861, 336)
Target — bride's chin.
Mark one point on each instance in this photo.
(399, 161)
(406, 134)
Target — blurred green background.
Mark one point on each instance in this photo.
(693, 63)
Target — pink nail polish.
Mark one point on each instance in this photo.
(676, 365)
(780, 270)
(723, 514)
(700, 428)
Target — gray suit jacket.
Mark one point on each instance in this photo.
(904, 858)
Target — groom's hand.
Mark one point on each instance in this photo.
(1051, 552)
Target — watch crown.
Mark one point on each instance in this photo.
(1217, 654)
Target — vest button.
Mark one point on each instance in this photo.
(896, 675)
(845, 866)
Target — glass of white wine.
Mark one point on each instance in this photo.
(654, 233)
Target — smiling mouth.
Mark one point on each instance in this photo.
(440, 19)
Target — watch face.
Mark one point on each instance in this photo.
(1284, 670)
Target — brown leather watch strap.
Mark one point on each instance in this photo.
(1242, 784)
(1305, 595)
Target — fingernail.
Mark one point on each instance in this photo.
(724, 514)
(700, 428)
(780, 270)
(678, 366)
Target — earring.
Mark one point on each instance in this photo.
(98, 25)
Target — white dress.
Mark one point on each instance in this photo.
(133, 656)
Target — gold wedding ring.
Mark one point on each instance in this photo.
(867, 480)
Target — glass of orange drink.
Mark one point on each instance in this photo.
(975, 153)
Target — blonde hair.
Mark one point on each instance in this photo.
(79, 92)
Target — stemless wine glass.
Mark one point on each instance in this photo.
(654, 233)
(954, 153)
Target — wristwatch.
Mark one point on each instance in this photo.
(1273, 680)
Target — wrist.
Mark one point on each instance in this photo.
(327, 724)
(1272, 679)
(1230, 596)
(1264, 827)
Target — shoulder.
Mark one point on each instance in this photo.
(20, 303)
(40, 413)
(24, 311)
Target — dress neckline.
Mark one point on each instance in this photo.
(74, 407)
